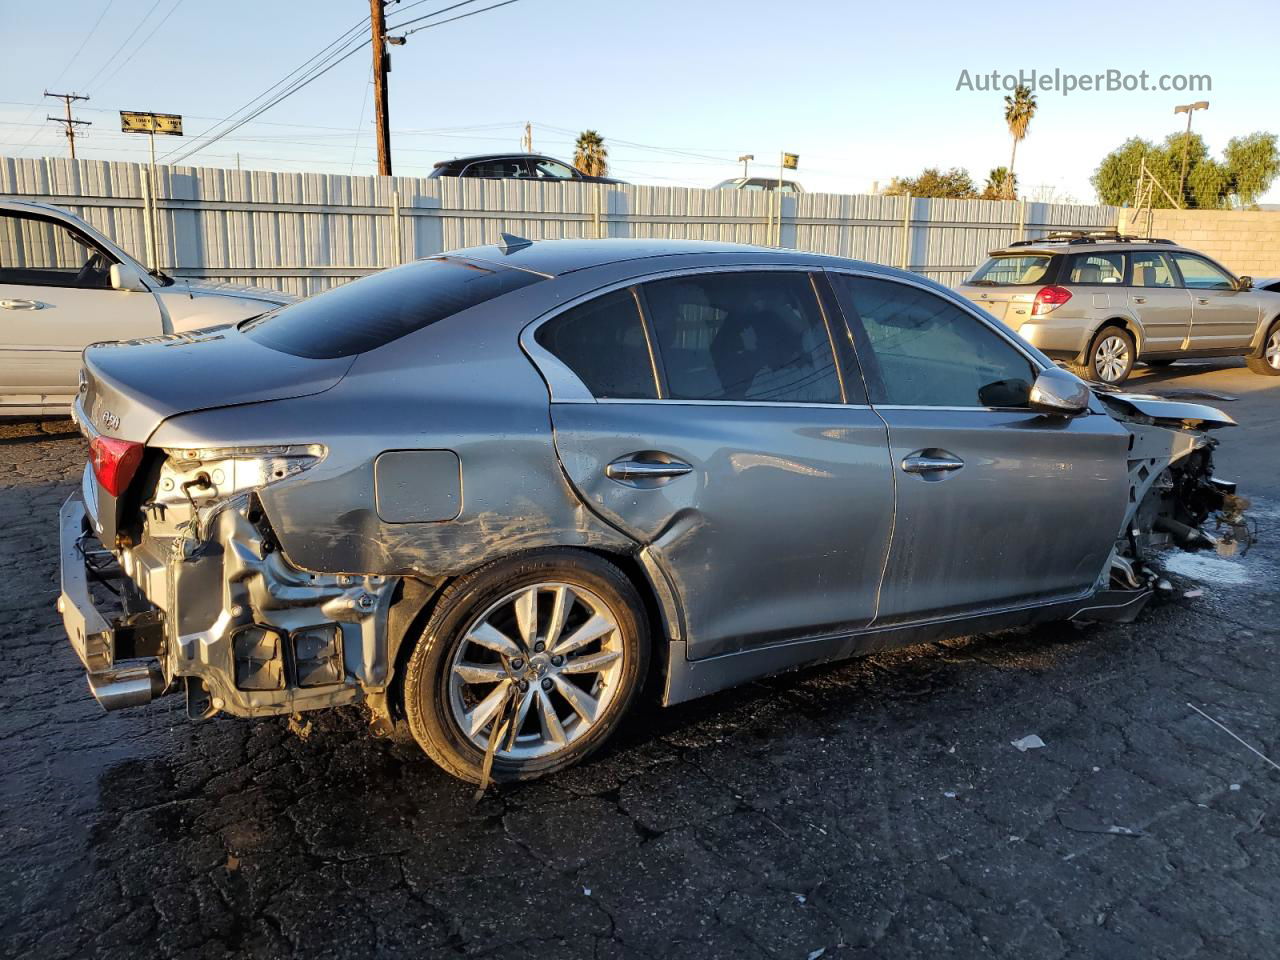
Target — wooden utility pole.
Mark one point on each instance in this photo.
(71, 123)
(381, 66)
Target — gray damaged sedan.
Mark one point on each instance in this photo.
(497, 491)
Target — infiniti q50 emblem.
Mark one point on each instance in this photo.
(109, 420)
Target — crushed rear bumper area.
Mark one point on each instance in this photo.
(121, 652)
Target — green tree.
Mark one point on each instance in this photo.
(998, 181)
(954, 184)
(1246, 171)
(1018, 111)
(1254, 163)
(590, 155)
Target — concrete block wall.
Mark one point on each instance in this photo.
(1247, 242)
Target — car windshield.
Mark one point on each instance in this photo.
(1012, 271)
(375, 310)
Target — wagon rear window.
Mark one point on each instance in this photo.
(1012, 271)
(375, 310)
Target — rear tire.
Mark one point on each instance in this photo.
(1110, 357)
(1268, 365)
(521, 622)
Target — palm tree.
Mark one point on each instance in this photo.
(590, 155)
(1018, 111)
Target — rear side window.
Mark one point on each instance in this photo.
(1151, 270)
(743, 336)
(603, 342)
(1012, 271)
(375, 310)
(1096, 268)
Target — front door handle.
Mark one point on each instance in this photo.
(628, 470)
(1202, 299)
(934, 462)
(21, 304)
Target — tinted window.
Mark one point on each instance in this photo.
(742, 336)
(1151, 270)
(374, 310)
(1012, 271)
(1097, 268)
(929, 352)
(1201, 274)
(603, 342)
(497, 170)
(39, 252)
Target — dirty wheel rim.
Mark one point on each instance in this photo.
(1273, 350)
(543, 663)
(1111, 358)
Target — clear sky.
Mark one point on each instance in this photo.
(861, 91)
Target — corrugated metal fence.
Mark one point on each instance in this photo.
(306, 232)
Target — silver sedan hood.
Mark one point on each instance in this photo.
(130, 387)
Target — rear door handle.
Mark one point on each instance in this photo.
(1202, 299)
(628, 470)
(21, 304)
(1139, 299)
(935, 463)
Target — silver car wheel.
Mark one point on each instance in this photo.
(1272, 352)
(544, 662)
(1111, 358)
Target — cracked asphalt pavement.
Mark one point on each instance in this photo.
(872, 808)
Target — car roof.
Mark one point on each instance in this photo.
(480, 157)
(1084, 244)
(557, 257)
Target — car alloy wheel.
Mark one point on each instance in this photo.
(526, 665)
(1272, 351)
(543, 664)
(1111, 358)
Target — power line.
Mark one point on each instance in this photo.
(133, 53)
(441, 23)
(326, 51)
(132, 33)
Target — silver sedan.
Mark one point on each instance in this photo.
(496, 492)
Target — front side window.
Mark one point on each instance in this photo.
(377, 309)
(743, 336)
(551, 170)
(39, 252)
(1012, 271)
(928, 351)
(1097, 268)
(1151, 270)
(604, 343)
(1200, 274)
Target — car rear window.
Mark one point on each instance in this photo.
(1013, 271)
(370, 312)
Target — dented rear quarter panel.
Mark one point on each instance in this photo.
(441, 388)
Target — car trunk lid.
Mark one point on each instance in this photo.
(129, 388)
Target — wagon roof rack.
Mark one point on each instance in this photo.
(1086, 236)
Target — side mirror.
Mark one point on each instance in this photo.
(1059, 392)
(125, 276)
(1244, 283)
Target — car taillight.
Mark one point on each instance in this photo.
(114, 462)
(1049, 299)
